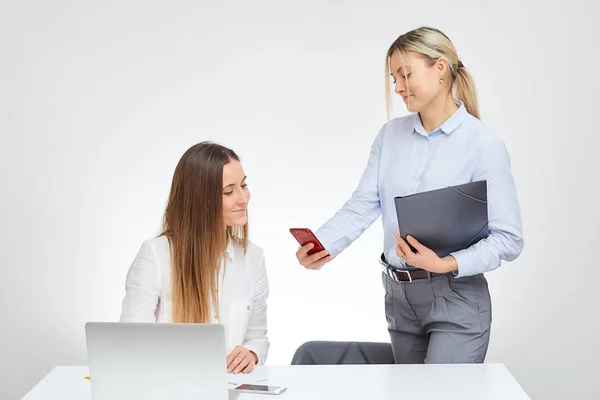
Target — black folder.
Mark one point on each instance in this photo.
(445, 220)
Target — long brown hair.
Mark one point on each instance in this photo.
(193, 223)
(433, 44)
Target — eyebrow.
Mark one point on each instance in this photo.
(231, 184)
(405, 70)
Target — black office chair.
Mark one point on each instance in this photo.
(328, 353)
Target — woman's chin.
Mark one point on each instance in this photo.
(411, 107)
(240, 221)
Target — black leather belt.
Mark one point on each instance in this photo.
(406, 275)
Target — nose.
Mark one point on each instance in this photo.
(400, 88)
(243, 198)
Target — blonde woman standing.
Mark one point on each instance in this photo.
(438, 309)
(202, 268)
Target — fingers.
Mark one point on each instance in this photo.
(404, 247)
(422, 257)
(243, 363)
(254, 356)
(241, 360)
(249, 368)
(315, 257)
(415, 243)
(312, 261)
(399, 251)
(232, 356)
(319, 262)
(302, 251)
(236, 361)
(307, 247)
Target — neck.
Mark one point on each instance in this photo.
(437, 113)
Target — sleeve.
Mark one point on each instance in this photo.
(256, 334)
(142, 288)
(360, 211)
(505, 239)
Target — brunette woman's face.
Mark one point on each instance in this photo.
(235, 194)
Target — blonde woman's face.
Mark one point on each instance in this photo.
(235, 194)
(415, 80)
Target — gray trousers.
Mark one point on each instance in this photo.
(438, 320)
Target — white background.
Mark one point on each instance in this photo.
(99, 101)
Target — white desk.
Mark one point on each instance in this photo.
(380, 382)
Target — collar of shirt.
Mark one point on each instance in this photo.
(233, 250)
(447, 127)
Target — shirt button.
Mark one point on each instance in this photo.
(248, 308)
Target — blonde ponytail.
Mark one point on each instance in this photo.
(465, 91)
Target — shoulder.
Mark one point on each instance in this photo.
(487, 143)
(399, 125)
(149, 263)
(480, 131)
(255, 262)
(254, 258)
(156, 250)
(254, 253)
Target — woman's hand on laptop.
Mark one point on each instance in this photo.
(241, 360)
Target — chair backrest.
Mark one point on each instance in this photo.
(327, 352)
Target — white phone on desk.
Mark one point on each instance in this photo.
(260, 389)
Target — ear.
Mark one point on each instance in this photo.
(441, 65)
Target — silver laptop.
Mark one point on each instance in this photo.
(156, 361)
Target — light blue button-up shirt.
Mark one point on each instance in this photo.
(405, 160)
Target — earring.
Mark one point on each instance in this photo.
(441, 81)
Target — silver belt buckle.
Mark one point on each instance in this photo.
(407, 274)
(389, 270)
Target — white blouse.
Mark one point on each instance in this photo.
(243, 292)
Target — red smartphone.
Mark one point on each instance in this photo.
(305, 236)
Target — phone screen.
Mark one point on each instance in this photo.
(258, 388)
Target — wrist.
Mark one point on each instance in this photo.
(449, 264)
(255, 356)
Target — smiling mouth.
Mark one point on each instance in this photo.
(240, 211)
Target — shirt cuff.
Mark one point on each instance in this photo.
(327, 244)
(256, 350)
(467, 261)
